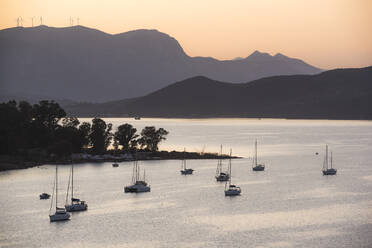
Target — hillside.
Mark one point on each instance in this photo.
(82, 64)
(335, 94)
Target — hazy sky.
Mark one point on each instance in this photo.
(324, 33)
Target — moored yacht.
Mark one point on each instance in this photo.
(184, 170)
(60, 213)
(138, 185)
(75, 203)
(231, 189)
(256, 166)
(221, 176)
(328, 171)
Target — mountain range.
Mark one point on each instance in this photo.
(83, 64)
(334, 94)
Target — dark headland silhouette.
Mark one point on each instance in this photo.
(82, 64)
(334, 94)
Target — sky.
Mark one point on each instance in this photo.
(325, 33)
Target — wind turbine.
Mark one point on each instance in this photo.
(32, 21)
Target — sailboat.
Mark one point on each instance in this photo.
(60, 213)
(255, 165)
(138, 185)
(220, 175)
(184, 170)
(231, 189)
(326, 170)
(75, 204)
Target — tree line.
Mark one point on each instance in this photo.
(43, 129)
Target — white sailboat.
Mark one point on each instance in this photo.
(256, 166)
(231, 189)
(221, 176)
(75, 204)
(184, 170)
(60, 213)
(138, 185)
(328, 171)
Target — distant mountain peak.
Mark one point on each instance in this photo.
(259, 55)
(280, 56)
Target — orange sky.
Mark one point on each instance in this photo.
(324, 33)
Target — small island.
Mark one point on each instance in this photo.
(33, 135)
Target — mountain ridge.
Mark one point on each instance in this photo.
(334, 94)
(85, 64)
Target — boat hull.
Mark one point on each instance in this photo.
(234, 192)
(223, 177)
(76, 207)
(44, 196)
(329, 172)
(258, 168)
(136, 189)
(59, 217)
(187, 172)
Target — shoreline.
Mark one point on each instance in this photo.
(17, 163)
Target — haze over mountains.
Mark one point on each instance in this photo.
(83, 64)
(335, 94)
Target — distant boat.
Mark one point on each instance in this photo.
(231, 189)
(138, 185)
(44, 196)
(60, 214)
(328, 171)
(184, 170)
(256, 166)
(75, 204)
(220, 175)
(115, 165)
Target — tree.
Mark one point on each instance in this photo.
(150, 137)
(125, 136)
(84, 132)
(100, 135)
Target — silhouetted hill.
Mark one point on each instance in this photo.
(335, 94)
(84, 64)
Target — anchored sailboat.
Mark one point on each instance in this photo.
(75, 204)
(60, 213)
(220, 175)
(255, 165)
(184, 170)
(138, 185)
(326, 170)
(231, 189)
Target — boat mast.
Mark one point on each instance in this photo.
(219, 164)
(56, 186)
(230, 168)
(331, 159)
(327, 157)
(72, 181)
(184, 160)
(255, 156)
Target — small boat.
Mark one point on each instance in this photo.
(75, 204)
(115, 165)
(60, 213)
(184, 170)
(221, 176)
(44, 196)
(231, 189)
(138, 185)
(256, 166)
(328, 171)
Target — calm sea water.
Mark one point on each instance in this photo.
(290, 204)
